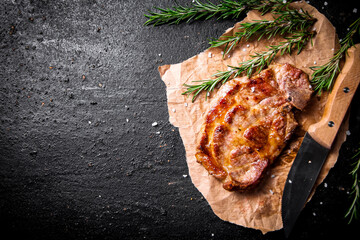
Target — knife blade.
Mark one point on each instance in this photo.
(318, 140)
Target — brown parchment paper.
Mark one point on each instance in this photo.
(260, 208)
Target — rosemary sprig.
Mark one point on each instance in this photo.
(206, 10)
(325, 75)
(256, 63)
(287, 22)
(208, 85)
(355, 192)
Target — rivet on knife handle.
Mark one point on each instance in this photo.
(324, 132)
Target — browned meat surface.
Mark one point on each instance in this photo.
(249, 123)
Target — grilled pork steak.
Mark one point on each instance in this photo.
(248, 124)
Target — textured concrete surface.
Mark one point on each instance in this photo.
(79, 157)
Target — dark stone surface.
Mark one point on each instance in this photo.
(79, 157)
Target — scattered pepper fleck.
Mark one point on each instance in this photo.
(12, 30)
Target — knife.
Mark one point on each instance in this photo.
(318, 140)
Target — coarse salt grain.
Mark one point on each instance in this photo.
(174, 110)
(325, 185)
(209, 54)
(290, 181)
(252, 89)
(271, 192)
(185, 104)
(273, 175)
(325, 3)
(184, 175)
(348, 133)
(355, 10)
(247, 45)
(154, 124)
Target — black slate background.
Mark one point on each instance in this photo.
(79, 157)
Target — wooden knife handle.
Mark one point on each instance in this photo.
(325, 131)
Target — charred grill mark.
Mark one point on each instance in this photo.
(279, 125)
(243, 149)
(203, 142)
(261, 84)
(210, 166)
(219, 135)
(248, 176)
(255, 81)
(267, 89)
(203, 156)
(222, 105)
(293, 73)
(257, 135)
(234, 90)
(216, 111)
(241, 156)
(230, 115)
(211, 116)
